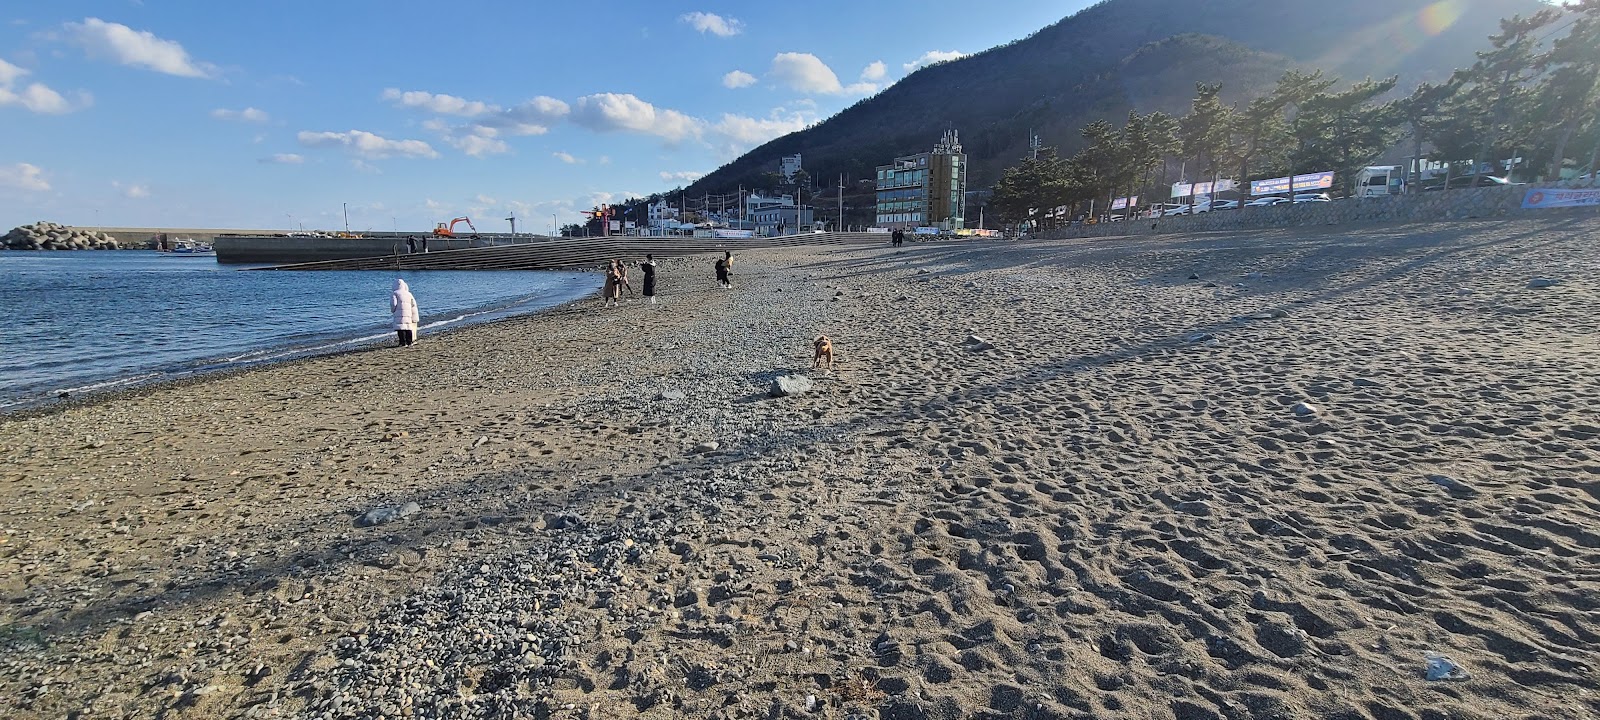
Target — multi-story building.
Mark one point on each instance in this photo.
(925, 190)
(662, 214)
(776, 215)
(789, 166)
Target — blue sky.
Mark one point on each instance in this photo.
(199, 113)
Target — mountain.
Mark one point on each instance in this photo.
(1123, 55)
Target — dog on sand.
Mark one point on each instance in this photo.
(822, 355)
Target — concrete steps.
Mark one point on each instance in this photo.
(567, 253)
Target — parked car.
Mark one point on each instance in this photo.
(1466, 181)
(1267, 201)
(1170, 209)
(1311, 197)
(1216, 205)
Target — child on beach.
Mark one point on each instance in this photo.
(403, 308)
(649, 268)
(724, 268)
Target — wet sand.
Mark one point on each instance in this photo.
(1045, 480)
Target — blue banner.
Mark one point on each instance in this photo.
(1554, 197)
(1310, 182)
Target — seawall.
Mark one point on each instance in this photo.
(1464, 204)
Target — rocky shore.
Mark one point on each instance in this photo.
(51, 236)
(1267, 475)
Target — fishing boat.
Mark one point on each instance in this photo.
(190, 248)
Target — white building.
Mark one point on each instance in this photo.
(662, 214)
(789, 166)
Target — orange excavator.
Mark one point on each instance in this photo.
(442, 230)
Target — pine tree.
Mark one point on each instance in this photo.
(1501, 86)
(1570, 94)
(1344, 130)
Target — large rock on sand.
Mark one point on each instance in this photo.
(786, 385)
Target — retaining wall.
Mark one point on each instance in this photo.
(1467, 203)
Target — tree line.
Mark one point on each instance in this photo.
(1534, 94)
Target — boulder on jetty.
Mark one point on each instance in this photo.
(51, 236)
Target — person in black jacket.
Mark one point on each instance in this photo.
(649, 268)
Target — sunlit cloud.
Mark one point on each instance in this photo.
(136, 48)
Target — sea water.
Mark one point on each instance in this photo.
(94, 320)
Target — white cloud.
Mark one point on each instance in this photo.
(712, 23)
(23, 176)
(9, 73)
(874, 72)
(36, 97)
(567, 158)
(806, 73)
(132, 192)
(368, 146)
(283, 159)
(479, 145)
(612, 112)
(486, 200)
(735, 134)
(738, 79)
(934, 57)
(442, 104)
(533, 117)
(248, 114)
(687, 176)
(605, 159)
(137, 48)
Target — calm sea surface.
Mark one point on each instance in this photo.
(87, 320)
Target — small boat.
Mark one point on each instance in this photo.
(189, 248)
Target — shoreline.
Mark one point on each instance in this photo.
(1046, 478)
(200, 370)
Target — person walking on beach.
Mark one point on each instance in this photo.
(724, 268)
(403, 307)
(649, 268)
(897, 238)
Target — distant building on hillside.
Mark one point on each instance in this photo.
(925, 190)
(789, 166)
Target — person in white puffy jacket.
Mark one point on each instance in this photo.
(404, 309)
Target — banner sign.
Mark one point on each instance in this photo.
(1310, 182)
(1181, 190)
(926, 231)
(1554, 197)
(733, 234)
(1123, 203)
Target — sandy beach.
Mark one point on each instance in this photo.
(1236, 475)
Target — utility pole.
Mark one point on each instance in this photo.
(840, 228)
(552, 224)
(346, 218)
(513, 220)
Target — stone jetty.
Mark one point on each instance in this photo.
(51, 236)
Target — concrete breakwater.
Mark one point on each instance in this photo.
(283, 249)
(51, 236)
(556, 253)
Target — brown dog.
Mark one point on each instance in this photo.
(823, 352)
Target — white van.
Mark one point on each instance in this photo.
(1381, 181)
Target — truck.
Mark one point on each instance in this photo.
(1381, 181)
